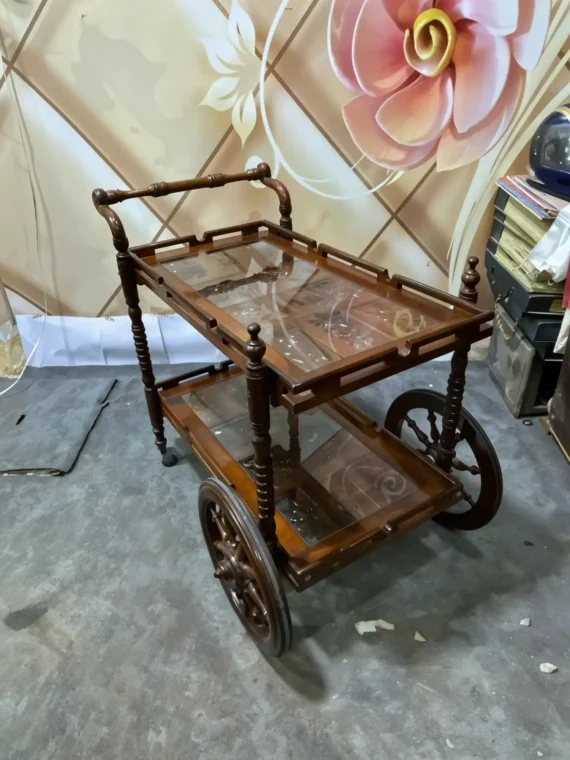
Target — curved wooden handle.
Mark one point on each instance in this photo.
(102, 199)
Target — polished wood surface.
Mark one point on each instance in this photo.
(347, 342)
(300, 279)
(258, 392)
(303, 482)
(456, 382)
(391, 365)
(128, 281)
(128, 276)
(103, 199)
(211, 411)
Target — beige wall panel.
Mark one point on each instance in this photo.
(75, 264)
(396, 251)
(433, 210)
(263, 14)
(131, 76)
(15, 16)
(344, 224)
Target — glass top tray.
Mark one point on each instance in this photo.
(314, 318)
(325, 478)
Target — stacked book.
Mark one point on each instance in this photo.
(516, 231)
(529, 303)
(540, 203)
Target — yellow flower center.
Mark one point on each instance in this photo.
(430, 46)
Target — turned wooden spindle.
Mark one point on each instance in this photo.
(452, 410)
(261, 173)
(258, 401)
(127, 273)
(129, 282)
(470, 279)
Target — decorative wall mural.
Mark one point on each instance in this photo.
(234, 58)
(432, 77)
(443, 77)
(100, 94)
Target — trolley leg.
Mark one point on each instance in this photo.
(452, 410)
(456, 383)
(130, 290)
(258, 400)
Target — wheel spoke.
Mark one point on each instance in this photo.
(239, 602)
(420, 435)
(236, 569)
(251, 590)
(468, 498)
(240, 551)
(247, 571)
(223, 548)
(457, 464)
(223, 530)
(432, 419)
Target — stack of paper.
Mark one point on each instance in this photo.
(541, 204)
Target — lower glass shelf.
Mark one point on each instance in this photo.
(337, 482)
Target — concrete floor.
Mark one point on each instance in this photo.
(117, 642)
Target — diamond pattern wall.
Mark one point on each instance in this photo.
(121, 93)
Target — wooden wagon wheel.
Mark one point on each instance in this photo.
(245, 567)
(472, 444)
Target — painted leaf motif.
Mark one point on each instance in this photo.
(222, 95)
(244, 116)
(241, 29)
(222, 54)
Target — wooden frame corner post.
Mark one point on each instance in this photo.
(258, 400)
(456, 382)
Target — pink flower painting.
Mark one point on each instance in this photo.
(433, 77)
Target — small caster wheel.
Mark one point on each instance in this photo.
(169, 459)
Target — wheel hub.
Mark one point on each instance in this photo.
(229, 568)
(431, 452)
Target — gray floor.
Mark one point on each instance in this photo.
(117, 642)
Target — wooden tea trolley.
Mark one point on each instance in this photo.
(302, 482)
